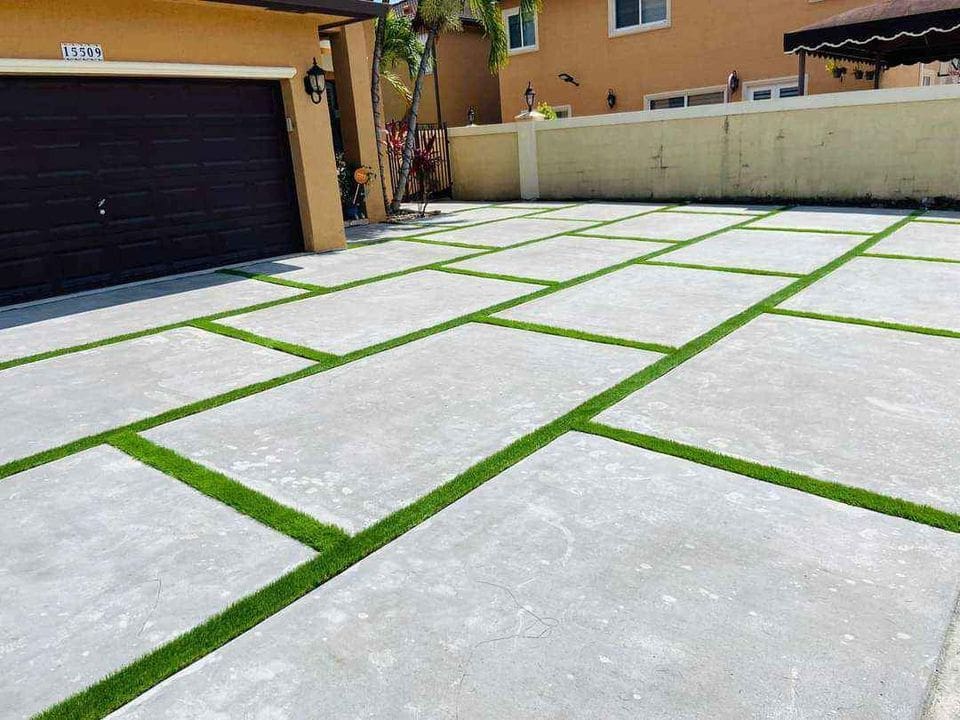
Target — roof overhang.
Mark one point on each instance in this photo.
(333, 12)
(893, 32)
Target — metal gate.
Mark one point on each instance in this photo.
(438, 180)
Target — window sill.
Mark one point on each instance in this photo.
(615, 32)
(523, 50)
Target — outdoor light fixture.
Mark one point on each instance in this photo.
(471, 116)
(314, 82)
(530, 96)
(611, 99)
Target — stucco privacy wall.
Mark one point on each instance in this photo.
(188, 31)
(888, 144)
(484, 162)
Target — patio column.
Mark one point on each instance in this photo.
(352, 51)
(802, 72)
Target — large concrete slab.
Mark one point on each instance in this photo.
(650, 303)
(734, 209)
(862, 220)
(942, 216)
(773, 250)
(337, 268)
(911, 292)
(670, 226)
(370, 314)
(352, 445)
(508, 232)
(857, 405)
(923, 239)
(602, 212)
(561, 258)
(377, 232)
(585, 582)
(43, 327)
(105, 559)
(447, 206)
(53, 402)
(538, 204)
(479, 215)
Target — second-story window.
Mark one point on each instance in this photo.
(638, 14)
(521, 30)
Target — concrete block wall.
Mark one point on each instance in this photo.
(898, 145)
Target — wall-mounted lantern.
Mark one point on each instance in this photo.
(530, 96)
(471, 116)
(314, 81)
(611, 99)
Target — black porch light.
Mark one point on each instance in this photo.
(471, 116)
(530, 95)
(611, 99)
(314, 81)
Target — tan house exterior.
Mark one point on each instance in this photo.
(463, 78)
(193, 46)
(682, 54)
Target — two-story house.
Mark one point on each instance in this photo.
(590, 57)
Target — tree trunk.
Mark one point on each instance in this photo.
(410, 141)
(377, 100)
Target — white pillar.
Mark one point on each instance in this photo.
(527, 154)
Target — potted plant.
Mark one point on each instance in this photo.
(349, 197)
(547, 111)
(837, 70)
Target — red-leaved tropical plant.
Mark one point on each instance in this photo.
(423, 162)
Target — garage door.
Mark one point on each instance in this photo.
(106, 181)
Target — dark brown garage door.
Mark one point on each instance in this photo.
(106, 181)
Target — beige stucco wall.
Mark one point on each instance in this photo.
(485, 167)
(886, 145)
(465, 81)
(189, 31)
(705, 41)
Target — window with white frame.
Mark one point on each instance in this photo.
(521, 30)
(771, 89)
(632, 15)
(690, 98)
(563, 111)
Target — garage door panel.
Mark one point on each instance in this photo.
(192, 174)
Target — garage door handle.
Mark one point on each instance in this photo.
(102, 206)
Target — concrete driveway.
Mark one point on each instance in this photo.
(558, 460)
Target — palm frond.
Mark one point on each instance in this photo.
(399, 87)
(490, 17)
(401, 45)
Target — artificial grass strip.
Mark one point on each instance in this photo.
(272, 279)
(28, 359)
(285, 347)
(283, 519)
(600, 236)
(495, 276)
(429, 241)
(719, 268)
(107, 695)
(922, 258)
(811, 230)
(577, 335)
(920, 329)
(846, 494)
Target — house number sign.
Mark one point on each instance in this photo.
(82, 51)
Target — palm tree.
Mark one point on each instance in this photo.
(396, 44)
(437, 17)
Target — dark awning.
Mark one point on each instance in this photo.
(893, 32)
(348, 9)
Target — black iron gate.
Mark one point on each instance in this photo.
(438, 180)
